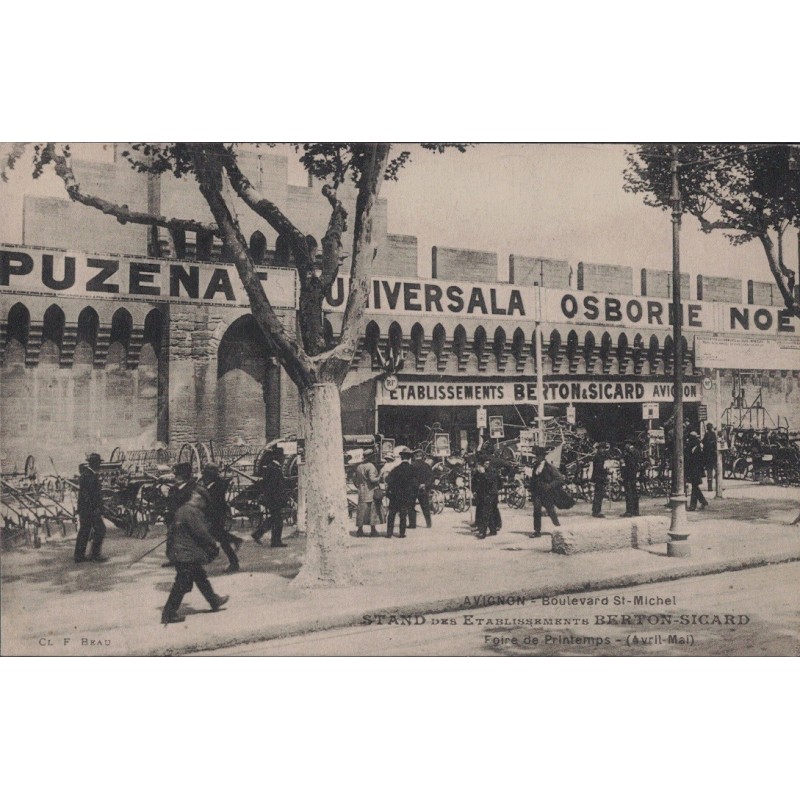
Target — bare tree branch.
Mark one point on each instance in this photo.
(122, 213)
(336, 362)
(332, 240)
(784, 287)
(265, 208)
(295, 361)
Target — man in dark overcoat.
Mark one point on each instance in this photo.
(486, 490)
(90, 505)
(710, 454)
(217, 513)
(274, 497)
(693, 467)
(423, 474)
(629, 473)
(401, 488)
(190, 546)
(545, 478)
(599, 477)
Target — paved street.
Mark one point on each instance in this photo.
(762, 607)
(52, 606)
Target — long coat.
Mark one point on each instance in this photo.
(693, 461)
(90, 494)
(274, 489)
(217, 509)
(189, 540)
(401, 486)
(366, 480)
(545, 479)
(486, 489)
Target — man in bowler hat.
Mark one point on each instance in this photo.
(401, 487)
(274, 496)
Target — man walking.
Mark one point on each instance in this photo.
(217, 513)
(366, 480)
(545, 478)
(630, 479)
(90, 505)
(189, 547)
(401, 488)
(599, 475)
(423, 475)
(710, 454)
(693, 457)
(486, 489)
(274, 496)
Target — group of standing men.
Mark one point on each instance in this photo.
(404, 484)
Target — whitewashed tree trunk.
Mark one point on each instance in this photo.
(328, 558)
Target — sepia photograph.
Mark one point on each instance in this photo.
(407, 399)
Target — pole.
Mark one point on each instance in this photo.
(539, 387)
(678, 544)
(718, 403)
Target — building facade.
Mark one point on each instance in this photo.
(99, 350)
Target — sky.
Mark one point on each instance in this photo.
(560, 201)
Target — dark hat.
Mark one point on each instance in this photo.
(277, 452)
(540, 451)
(694, 433)
(419, 452)
(183, 469)
(406, 455)
(93, 458)
(211, 467)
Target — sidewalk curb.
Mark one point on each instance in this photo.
(456, 604)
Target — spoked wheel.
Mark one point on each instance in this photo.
(437, 502)
(190, 452)
(117, 454)
(517, 498)
(137, 523)
(462, 501)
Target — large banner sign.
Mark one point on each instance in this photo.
(441, 393)
(414, 297)
(628, 312)
(71, 274)
(732, 352)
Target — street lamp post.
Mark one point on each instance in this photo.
(678, 544)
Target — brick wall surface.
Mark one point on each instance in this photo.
(766, 294)
(549, 272)
(464, 265)
(658, 283)
(607, 278)
(725, 290)
(397, 256)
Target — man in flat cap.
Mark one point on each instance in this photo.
(217, 512)
(90, 505)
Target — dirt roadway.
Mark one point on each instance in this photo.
(762, 607)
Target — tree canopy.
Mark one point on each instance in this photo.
(747, 191)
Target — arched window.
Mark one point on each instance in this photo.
(499, 344)
(438, 340)
(153, 329)
(372, 337)
(121, 330)
(417, 339)
(88, 325)
(459, 340)
(52, 336)
(479, 342)
(17, 332)
(395, 341)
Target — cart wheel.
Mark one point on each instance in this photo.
(137, 523)
(206, 452)
(190, 453)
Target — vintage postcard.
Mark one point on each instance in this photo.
(400, 399)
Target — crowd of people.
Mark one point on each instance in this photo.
(197, 510)
(196, 518)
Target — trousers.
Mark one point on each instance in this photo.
(631, 497)
(538, 504)
(396, 509)
(91, 525)
(599, 494)
(186, 577)
(425, 506)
